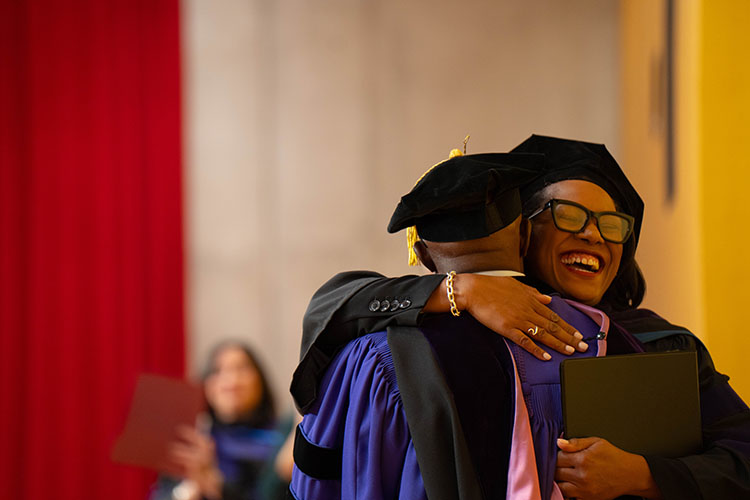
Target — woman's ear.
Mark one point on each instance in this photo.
(424, 255)
(525, 236)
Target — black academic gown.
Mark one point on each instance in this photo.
(359, 302)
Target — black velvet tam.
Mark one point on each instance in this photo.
(568, 159)
(467, 197)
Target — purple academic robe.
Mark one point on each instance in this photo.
(540, 382)
(360, 409)
(343, 309)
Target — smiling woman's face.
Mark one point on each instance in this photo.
(581, 265)
(234, 388)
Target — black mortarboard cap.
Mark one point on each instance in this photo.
(567, 159)
(466, 197)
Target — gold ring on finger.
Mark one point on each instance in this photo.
(533, 331)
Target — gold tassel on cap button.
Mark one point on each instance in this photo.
(411, 232)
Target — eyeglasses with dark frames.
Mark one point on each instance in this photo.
(572, 217)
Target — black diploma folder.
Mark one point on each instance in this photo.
(647, 403)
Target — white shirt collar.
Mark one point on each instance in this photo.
(500, 272)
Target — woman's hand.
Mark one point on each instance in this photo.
(594, 469)
(195, 454)
(512, 309)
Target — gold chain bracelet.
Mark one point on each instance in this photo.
(451, 296)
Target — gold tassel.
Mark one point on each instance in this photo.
(411, 239)
(411, 232)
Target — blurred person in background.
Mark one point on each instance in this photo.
(234, 455)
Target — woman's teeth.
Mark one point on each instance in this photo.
(588, 263)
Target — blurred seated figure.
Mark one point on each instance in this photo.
(232, 456)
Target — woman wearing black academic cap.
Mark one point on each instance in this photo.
(577, 252)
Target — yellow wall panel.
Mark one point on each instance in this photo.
(725, 177)
(695, 249)
(671, 292)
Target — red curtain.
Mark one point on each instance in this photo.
(91, 259)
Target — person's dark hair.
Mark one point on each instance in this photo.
(629, 286)
(265, 413)
(627, 289)
(534, 202)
